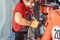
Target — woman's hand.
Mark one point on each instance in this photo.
(34, 24)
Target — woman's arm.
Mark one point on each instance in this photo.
(20, 20)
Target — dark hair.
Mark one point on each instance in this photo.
(20, 0)
(31, 0)
(28, 0)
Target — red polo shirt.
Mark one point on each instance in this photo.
(20, 7)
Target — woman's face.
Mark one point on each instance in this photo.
(29, 3)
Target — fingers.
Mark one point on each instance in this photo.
(34, 24)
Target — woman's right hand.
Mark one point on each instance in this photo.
(34, 24)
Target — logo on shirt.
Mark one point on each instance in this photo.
(56, 33)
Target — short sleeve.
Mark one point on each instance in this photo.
(18, 8)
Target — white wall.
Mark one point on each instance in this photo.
(6, 7)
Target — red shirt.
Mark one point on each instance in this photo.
(20, 7)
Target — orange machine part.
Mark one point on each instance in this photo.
(45, 9)
(53, 22)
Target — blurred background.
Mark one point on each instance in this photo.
(6, 8)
